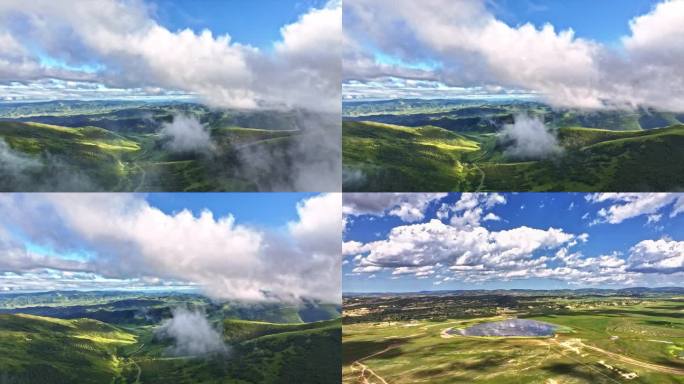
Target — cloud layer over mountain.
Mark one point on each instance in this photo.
(465, 45)
(122, 239)
(117, 43)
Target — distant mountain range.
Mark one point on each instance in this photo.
(632, 291)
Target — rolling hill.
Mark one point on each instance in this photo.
(50, 350)
(387, 157)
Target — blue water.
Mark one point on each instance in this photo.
(512, 327)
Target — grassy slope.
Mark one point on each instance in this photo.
(599, 160)
(397, 158)
(128, 162)
(47, 350)
(413, 159)
(415, 351)
(261, 353)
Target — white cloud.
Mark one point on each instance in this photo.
(410, 207)
(186, 133)
(625, 206)
(135, 51)
(529, 138)
(468, 210)
(192, 333)
(657, 256)
(474, 48)
(456, 246)
(131, 239)
(434, 242)
(491, 217)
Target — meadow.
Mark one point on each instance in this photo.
(113, 337)
(121, 146)
(458, 147)
(598, 340)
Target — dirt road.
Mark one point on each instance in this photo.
(364, 368)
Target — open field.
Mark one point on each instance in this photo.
(419, 150)
(615, 339)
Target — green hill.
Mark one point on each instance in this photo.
(37, 349)
(46, 350)
(395, 158)
(242, 330)
(598, 160)
(260, 353)
(59, 158)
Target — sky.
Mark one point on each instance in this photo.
(573, 54)
(422, 242)
(227, 54)
(243, 246)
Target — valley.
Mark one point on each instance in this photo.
(96, 337)
(451, 145)
(142, 147)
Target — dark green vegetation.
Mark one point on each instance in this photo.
(119, 146)
(112, 337)
(454, 145)
(601, 337)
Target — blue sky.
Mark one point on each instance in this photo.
(256, 23)
(605, 21)
(257, 209)
(242, 246)
(624, 229)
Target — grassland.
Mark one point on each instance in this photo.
(599, 340)
(111, 337)
(383, 157)
(120, 146)
(92, 158)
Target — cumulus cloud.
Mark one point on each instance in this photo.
(456, 245)
(461, 246)
(409, 207)
(131, 239)
(132, 50)
(474, 48)
(186, 134)
(657, 256)
(624, 206)
(192, 334)
(529, 138)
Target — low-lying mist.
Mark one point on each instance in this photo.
(309, 161)
(192, 334)
(529, 138)
(186, 134)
